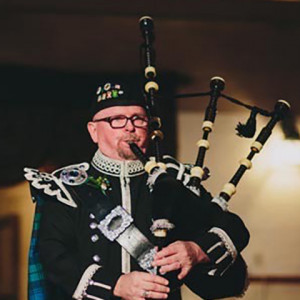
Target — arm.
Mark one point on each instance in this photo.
(221, 229)
(63, 266)
(61, 261)
(191, 260)
(212, 250)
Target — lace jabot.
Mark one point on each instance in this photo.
(115, 167)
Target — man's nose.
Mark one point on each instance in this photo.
(129, 126)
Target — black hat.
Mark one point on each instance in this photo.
(117, 94)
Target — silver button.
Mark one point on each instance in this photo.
(92, 216)
(95, 238)
(93, 225)
(96, 258)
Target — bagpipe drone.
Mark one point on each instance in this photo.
(184, 209)
(184, 206)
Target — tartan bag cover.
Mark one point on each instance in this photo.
(36, 278)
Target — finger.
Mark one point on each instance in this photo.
(155, 279)
(165, 260)
(156, 295)
(183, 273)
(172, 267)
(141, 294)
(171, 249)
(156, 287)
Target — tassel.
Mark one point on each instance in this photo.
(248, 130)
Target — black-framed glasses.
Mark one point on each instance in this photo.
(120, 121)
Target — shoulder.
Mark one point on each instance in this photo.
(56, 184)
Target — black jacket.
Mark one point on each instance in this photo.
(70, 258)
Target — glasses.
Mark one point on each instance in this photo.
(120, 121)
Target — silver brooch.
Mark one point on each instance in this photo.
(74, 175)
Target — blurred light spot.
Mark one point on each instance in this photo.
(284, 153)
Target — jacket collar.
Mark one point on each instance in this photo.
(115, 167)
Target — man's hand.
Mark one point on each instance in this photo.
(180, 255)
(140, 285)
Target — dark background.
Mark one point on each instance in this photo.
(54, 54)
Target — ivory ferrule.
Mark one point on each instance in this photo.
(218, 78)
(151, 85)
(207, 125)
(197, 172)
(256, 146)
(246, 162)
(150, 165)
(203, 143)
(145, 17)
(162, 165)
(149, 70)
(285, 102)
(229, 189)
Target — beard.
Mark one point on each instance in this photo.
(126, 153)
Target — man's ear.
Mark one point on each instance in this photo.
(92, 128)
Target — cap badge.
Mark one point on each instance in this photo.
(109, 91)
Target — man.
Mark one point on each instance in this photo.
(80, 262)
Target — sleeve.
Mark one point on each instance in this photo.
(232, 284)
(223, 241)
(59, 253)
(226, 235)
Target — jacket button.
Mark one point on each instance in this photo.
(95, 238)
(93, 225)
(96, 258)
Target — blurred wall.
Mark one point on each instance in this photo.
(254, 45)
(16, 201)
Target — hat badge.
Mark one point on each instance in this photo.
(109, 91)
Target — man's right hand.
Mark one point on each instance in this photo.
(140, 286)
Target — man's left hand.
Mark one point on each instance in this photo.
(180, 255)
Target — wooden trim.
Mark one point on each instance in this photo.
(271, 279)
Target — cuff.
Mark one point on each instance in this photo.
(93, 286)
(220, 249)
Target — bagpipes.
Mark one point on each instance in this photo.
(175, 204)
(179, 211)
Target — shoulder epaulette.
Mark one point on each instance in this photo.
(53, 184)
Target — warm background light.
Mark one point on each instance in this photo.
(267, 198)
(284, 153)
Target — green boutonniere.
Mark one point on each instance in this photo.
(100, 183)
